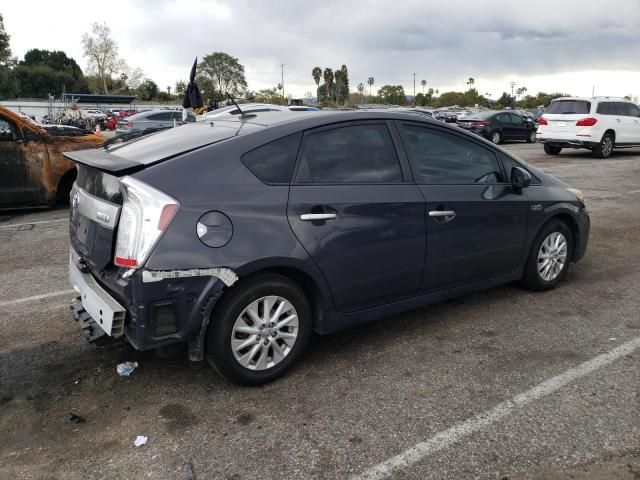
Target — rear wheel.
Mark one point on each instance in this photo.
(496, 137)
(259, 330)
(532, 137)
(605, 148)
(552, 149)
(549, 258)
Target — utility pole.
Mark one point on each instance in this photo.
(282, 79)
(513, 84)
(414, 86)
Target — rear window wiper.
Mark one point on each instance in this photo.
(125, 137)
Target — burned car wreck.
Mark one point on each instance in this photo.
(33, 170)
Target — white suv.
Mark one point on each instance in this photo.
(599, 124)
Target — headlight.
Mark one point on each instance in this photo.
(578, 194)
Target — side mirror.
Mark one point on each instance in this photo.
(520, 178)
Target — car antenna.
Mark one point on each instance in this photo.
(242, 114)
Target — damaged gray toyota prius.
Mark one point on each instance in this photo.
(240, 237)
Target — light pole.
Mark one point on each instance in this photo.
(282, 78)
(414, 86)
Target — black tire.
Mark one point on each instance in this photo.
(532, 278)
(532, 137)
(552, 149)
(64, 187)
(605, 147)
(496, 137)
(218, 342)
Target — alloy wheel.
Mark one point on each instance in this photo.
(495, 137)
(552, 256)
(607, 146)
(264, 333)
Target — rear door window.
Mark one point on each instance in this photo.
(362, 153)
(439, 157)
(160, 117)
(568, 107)
(274, 162)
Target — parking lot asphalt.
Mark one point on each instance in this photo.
(501, 384)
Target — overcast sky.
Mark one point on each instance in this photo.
(545, 45)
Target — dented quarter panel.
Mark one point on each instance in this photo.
(43, 163)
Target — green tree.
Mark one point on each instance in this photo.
(505, 100)
(392, 94)
(8, 82)
(316, 73)
(219, 73)
(5, 48)
(269, 95)
(370, 82)
(471, 81)
(424, 84)
(147, 90)
(343, 90)
(328, 91)
(180, 88)
(44, 72)
(101, 52)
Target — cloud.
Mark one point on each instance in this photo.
(445, 41)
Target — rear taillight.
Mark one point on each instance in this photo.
(586, 122)
(146, 214)
(481, 123)
(543, 121)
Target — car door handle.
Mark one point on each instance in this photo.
(442, 213)
(317, 216)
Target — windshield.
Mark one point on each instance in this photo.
(568, 107)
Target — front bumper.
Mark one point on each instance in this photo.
(584, 225)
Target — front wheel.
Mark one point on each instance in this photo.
(259, 330)
(552, 149)
(549, 257)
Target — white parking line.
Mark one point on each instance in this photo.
(35, 298)
(34, 223)
(456, 433)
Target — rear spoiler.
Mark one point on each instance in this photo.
(103, 160)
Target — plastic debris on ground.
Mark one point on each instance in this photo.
(125, 369)
(140, 440)
(74, 417)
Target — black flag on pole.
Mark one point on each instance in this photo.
(192, 98)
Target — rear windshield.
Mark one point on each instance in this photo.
(479, 116)
(568, 107)
(174, 141)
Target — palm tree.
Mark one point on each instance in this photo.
(370, 83)
(316, 73)
(424, 84)
(338, 77)
(470, 82)
(327, 75)
(437, 92)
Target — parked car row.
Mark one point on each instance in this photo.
(253, 108)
